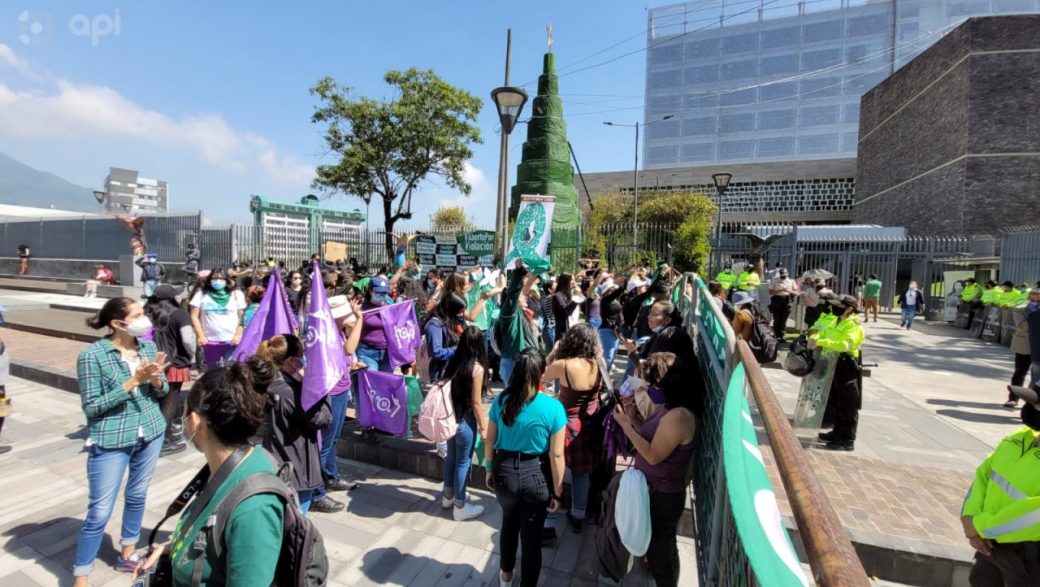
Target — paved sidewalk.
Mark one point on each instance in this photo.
(392, 533)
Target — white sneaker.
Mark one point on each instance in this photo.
(467, 512)
(447, 502)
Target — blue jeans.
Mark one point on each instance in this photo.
(306, 497)
(505, 368)
(329, 437)
(549, 335)
(596, 322)
(609, 340)
(149, 287)
(908, 315)
(376, 359)
(579, 495)
(105, 468)
(460, 455)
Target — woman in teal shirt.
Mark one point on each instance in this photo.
(525, 428)
(223, 410)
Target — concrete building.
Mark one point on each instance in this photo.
(294, 230)
(126, 192)
(949, 144)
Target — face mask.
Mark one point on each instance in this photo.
(378, 298)
(218, 284)
(657, 329)
(1030, 416)
(191, 437)
(139, 327)
(1033, 306)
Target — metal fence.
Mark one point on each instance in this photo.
(98, 237)
(1020, 256)
(731, 486)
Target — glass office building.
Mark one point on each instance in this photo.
(750, 81)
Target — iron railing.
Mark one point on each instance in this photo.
(1020, 256)
(731, 488)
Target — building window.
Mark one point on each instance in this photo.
(702, 74)
(813, 60)
(850, 140)
(821, 88)
(738, 98)
(667, 129)
(776, 147)
(822, 31)
(693, 153)
(704, 125)
(739, 70)
(778, 91)
(873, 24)
(741, 43)
(784, 37)
(670, 53)
(703, 48)
(736, 149)
(779, 64)
(661, 155)
(665, 79)
(851, 113)
(737, 122)
(663, 104)
(776, 119)
(1013, 6)
(819, 115)
(817, 144)
(700, 102)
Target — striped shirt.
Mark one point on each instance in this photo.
(115, 418)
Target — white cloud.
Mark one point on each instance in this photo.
(483, 193)
(82, 110)
(9, 58)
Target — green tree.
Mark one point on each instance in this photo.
(451, 218)
(388, 148)
(686, 219)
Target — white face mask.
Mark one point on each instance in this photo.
(191, 437)
(139, 327)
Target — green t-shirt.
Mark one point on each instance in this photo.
(537, 421)
(872, 289)
(252, 538)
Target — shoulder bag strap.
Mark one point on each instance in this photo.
(255, 484)
(208, 486)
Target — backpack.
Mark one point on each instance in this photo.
(437, 414)
(422, 360)
(302, 561)
(763, 341)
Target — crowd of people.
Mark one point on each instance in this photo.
(552, 340)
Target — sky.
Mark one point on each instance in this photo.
(213, 96)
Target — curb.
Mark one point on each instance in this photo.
(45, 375)
(87, 338)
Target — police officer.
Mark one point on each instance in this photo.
(748, 280)
(844, 338)
(726, 279)
(1001, 513)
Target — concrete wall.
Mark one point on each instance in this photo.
(949, 143)
(66, 269)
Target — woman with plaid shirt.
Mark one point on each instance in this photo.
(120, 382)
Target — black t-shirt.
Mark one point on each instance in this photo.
(562, 308)
(168, 339)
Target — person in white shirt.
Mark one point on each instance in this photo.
(216, 315)
(912, 302)
(782, 292)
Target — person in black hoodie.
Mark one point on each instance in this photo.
(292, 432)
(173, 335)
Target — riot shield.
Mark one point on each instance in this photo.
(1007, 325)
(812, 397)
(992, 326)
(963, 315)
(979, 322)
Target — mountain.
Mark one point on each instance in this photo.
(22, 185)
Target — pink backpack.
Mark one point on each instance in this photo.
(437, 415)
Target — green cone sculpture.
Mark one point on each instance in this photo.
(545, 166)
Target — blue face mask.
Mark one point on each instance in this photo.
(1033, 306)
(378, 298)
(218, 284)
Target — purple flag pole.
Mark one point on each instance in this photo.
(326, 361)
(273, 317)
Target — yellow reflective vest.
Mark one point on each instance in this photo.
(748, 281)
(824, 322)
(1007, 299)
(989, 296)
(1004, 498)
(971, 292)
(844, 337)
(726, 279)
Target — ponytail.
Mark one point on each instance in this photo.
(527, 375)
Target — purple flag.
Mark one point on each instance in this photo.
(326, 361)
(382, 402)
(273, 316)
(401, 331)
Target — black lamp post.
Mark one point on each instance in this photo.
(510, 102)
(721, 181)
(635, 178)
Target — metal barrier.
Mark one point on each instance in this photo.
(739, 532)
(1020, 256)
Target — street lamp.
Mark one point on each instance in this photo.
(510, 102)
(635, 177)
(721, 181)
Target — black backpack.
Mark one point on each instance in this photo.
(763, 341)
(302, 561)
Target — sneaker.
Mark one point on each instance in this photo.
(1010, 404)
(467, 512)
(839, 445)
(129, 564)
(826, 436)
(341, 485)
(548, 536)
(4, 449)
(447, 502)
(327, 505)
(172, 448)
